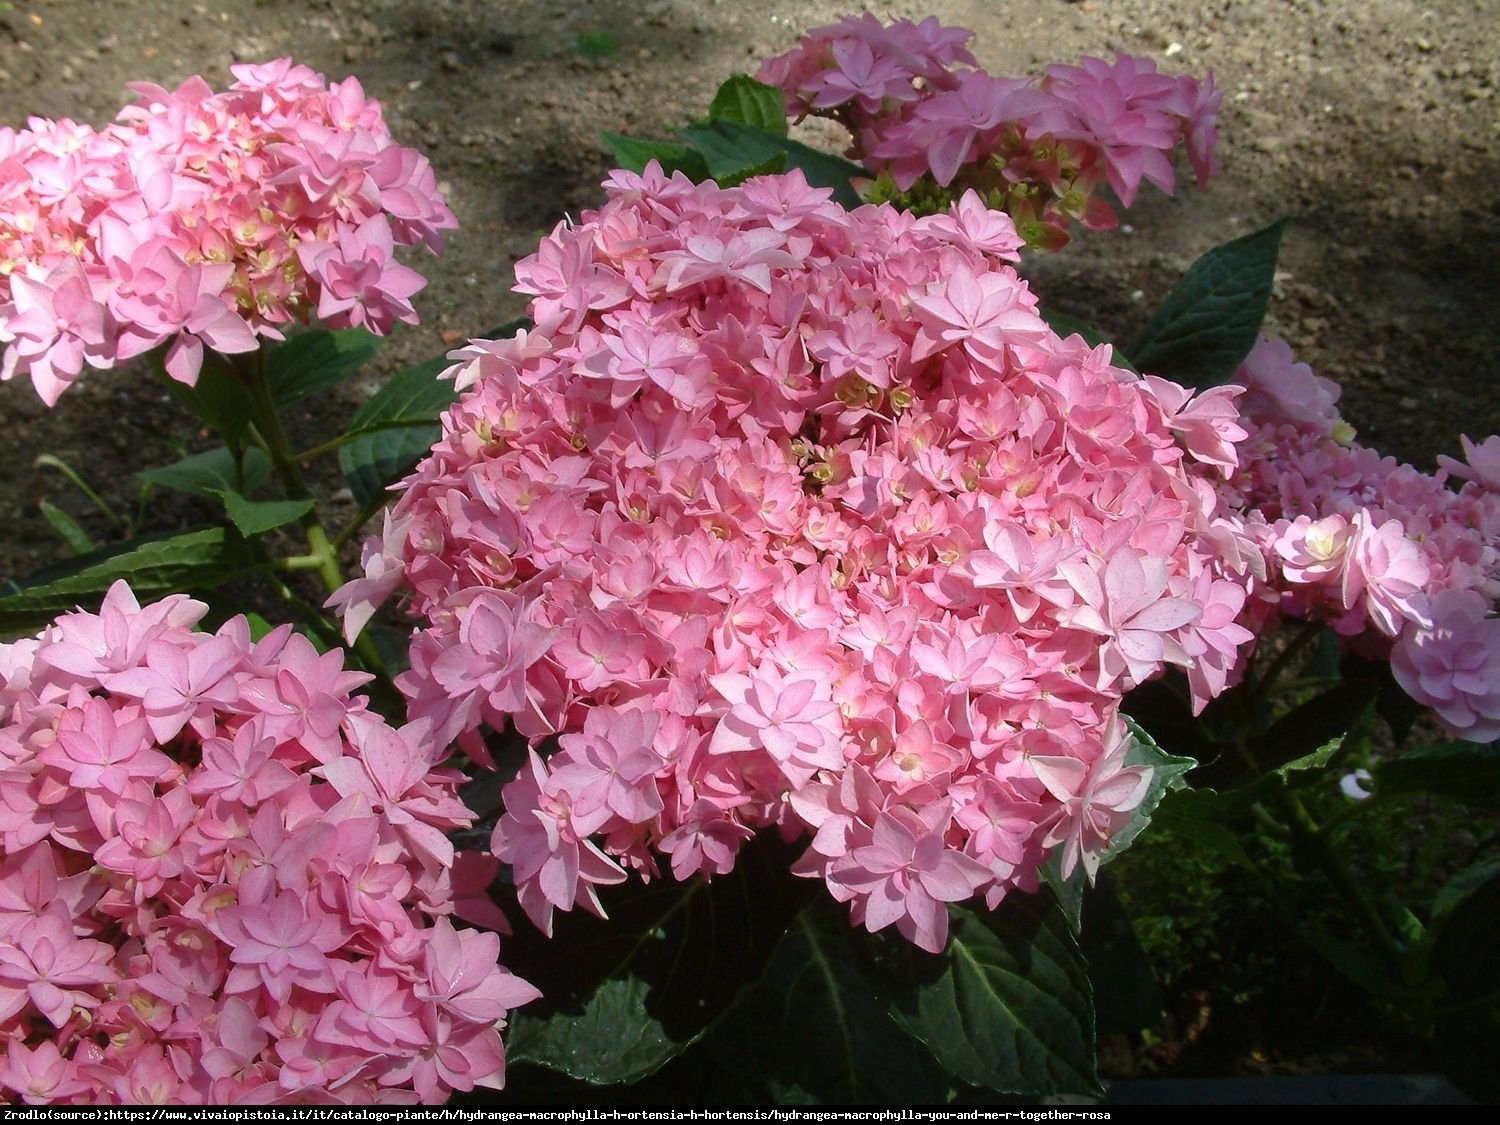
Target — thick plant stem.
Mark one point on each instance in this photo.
(251, 368)
(322, 555)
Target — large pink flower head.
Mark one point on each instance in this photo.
(779, 499)
(206, 220)
(1377, 549)
(925, 118)
(223, 879)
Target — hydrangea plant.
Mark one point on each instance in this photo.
(817, 597)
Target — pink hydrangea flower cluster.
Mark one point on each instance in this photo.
(926, 117)
(206, 220)
(223, 879)
(790, 516)
(1385, 553)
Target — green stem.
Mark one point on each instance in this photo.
(251, 368)
(1314, 842)
(322, 556)
(48, 461)
(1262, 816)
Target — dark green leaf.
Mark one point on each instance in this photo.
(255, 516)
(217, 398)
(194, 560)
(65, 525)
(730, 147)
(1354, 960)
(1465, 957)
(315, 360)
(772, 167)
(622, 997)
(1008, 1004)
(816, 1028)
(1166, 774)
(383, 456)
(1196, 817)
(1456, 890)
(212, 472)
(1463, 771)
(1308, 737)
(634, 154)
(1209, 322)
(749, 102)
(399, 423)
(1126, 995)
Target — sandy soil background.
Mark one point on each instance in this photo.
(1373, 121)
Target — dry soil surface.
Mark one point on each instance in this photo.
(1374, 122)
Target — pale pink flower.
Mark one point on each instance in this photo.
(1453, 665)
(905, 875)
(1483, 462)
(1314, 551)
(1126, 600)
(41, 1076)
(1278, 388)
(1097, 801)
(45, 965)
(1389, 570)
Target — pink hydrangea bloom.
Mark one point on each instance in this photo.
(790, 515)
(200, 220)
(1481, 462)
(933, 125)
(1371, 546)
(223, 879)
(1453, 665)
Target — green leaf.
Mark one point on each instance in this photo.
(193, 560)
(1167, 772)
(259, 626)
(1463, 771)
(1195, 816)
(772, 167)
(398, 424)
(730, 147)
(315, 360)
(414, 399)
(1356, 961)
(817, 1027)
(217, 398)
(1464, 958)
(1209, 322)
(748, 102)
(634, 154)
(211, 473)
(1065, 326)
(1308, 737)
(252, 517)
(1457, 889)
(1008, 1005)
(65, 525)
(622, 997)
(1126, 995)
